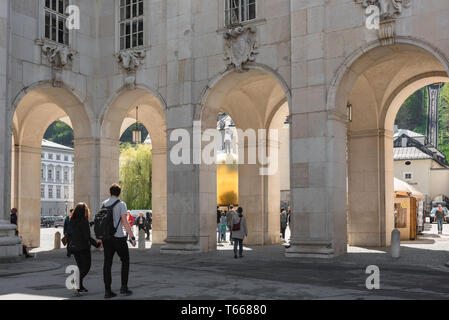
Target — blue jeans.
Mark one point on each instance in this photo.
(219, 233)
(238, 242)
(440, 223)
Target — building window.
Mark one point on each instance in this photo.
(58, 157)
(42, 191)
(50, 156)
(66, 158)
(131, 24)
(55, 21)
(66, 176)
(42, 173)
(238, 11)
(50, 174)
(408, 176)
(58, 192)
(408, 163)
(50, 192)
(58, 175)
(42, 155)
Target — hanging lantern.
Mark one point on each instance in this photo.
(137, 133)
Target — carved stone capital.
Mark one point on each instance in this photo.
(240, 47)
(58, 56)
(131, 60)
(387, 32)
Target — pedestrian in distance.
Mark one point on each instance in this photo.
(440, 216)
(116, 242)
(81, 241)
(148, 222)
(140, 221)
(223, 227)
(68, 231)
(239, 231)
(229, 216)
(283, 223)
(219, 224)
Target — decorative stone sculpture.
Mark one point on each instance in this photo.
(57, 56)
(389, 10)
(131, 60)
(240, 47)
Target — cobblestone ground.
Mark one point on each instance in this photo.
(264, 273)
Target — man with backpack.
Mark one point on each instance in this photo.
(109, 224)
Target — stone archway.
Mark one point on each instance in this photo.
(252, 99)
(120, 112)
(372, 85)
(34, 111)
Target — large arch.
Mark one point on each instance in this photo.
(33, 110)
(119, 112)
(374, 82)
(252, 99)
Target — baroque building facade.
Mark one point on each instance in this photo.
(57, 175)
(336, 73)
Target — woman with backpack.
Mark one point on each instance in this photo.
(81, 241)
(239, 231)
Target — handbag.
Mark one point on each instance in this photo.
(64, 240)
(236, 226)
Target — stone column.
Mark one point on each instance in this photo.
(183, 204)
(318, 188)
(87, 173)
(29, 195)
(10, 246)
(159, 195)
(109, 166)
(371, 194)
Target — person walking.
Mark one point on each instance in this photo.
(140, 222)
(117, 244)
(81, 241)
(219, 224)
(229, 216)
(283, 223)
(440, 216)
(239, 231)
(68, 231)
(148, 222)
(223, 227)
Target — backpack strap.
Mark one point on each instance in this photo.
(120, 218)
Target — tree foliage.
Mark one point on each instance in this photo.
(61, 133)
(135, 175)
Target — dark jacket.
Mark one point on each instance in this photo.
(67, 226)
(148, 221)
(143, 221)
(80, 239)
(283, 221)
(13, 218)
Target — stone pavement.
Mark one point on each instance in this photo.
(264, 273)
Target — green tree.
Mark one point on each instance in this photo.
(61, 133)
(135, 175)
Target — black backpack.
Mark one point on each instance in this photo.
(104, 222)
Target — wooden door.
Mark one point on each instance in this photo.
(413, 218)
